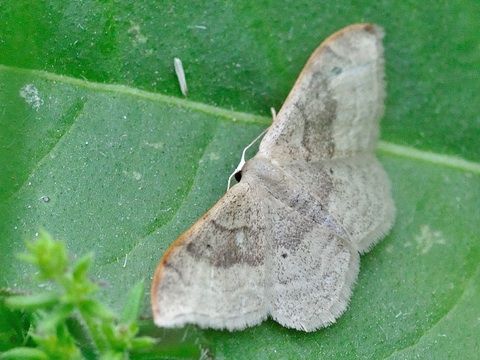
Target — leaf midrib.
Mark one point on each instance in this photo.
(242, 117)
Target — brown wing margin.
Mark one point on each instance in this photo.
(213, 275)
(336, 104)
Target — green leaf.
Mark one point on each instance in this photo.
(58, 344)
(99, 148)
(13, 327)
(143, 342)
(50, 257)
(22, 353)
(48, 322)
(80, 268)
(94, 308)
(32, 301)
(133, 303)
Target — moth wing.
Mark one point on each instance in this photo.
(335, 106)
(213, 275)
(355, 191)
(310, 268)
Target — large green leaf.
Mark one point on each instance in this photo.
(98, 147)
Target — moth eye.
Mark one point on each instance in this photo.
(284, 255)
(238, 176)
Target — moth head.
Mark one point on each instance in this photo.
(260, 167)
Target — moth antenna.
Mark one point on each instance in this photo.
(242, 160)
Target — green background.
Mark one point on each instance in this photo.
(91, 115)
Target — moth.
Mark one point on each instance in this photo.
(285, 241)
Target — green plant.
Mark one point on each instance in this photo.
(92, 117)
(56, 313)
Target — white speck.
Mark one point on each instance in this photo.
(32, 96)
(213, 156)
(134, 175)
(290, 33)
(177, 63)
(125, 262)
(136, 34)
(427, 238)
(158, 145)
(239, 238)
